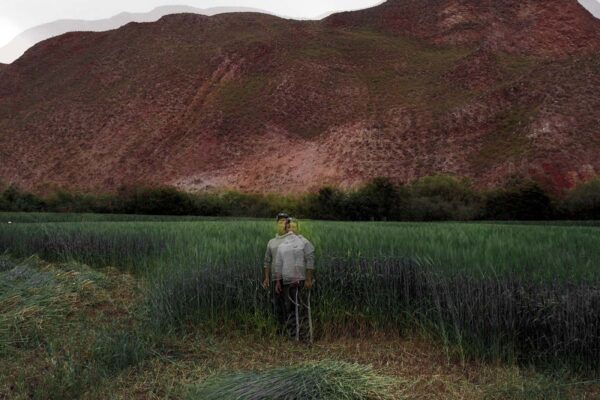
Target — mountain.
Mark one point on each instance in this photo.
(328, 13)
(549, 27)
(259, 103)
(30, 37)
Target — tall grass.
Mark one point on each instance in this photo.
(570, 252)
(512, 318)
(37, 217)
(513, 292)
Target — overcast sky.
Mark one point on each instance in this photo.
(19, 15)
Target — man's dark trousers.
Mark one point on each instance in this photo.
(279, 310)
(297, 311)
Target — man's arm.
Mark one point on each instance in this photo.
(268, 256)
(267, 267)
(266, 277)
(309, 260)
(277, 270)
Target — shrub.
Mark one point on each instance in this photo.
(246, 205)
(442, 198)
(157, 201)
(327, 204)
(379, 199)
(208, 205)
(583, 202)
(14, 199)
(63, 201)
(525, 201)
(445, 187)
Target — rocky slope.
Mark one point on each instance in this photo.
(484, 89)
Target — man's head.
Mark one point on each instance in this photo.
(281, 222)
(294, 225)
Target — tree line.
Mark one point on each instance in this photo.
(433, 198)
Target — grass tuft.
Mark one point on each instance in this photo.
(120, 350)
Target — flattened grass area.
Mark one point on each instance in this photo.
(60, 326)
(69, 331)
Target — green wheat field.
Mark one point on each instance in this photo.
(115, 306)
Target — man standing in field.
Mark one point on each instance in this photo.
(294, 266)
(277, 299)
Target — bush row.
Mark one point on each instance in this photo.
(434, 198)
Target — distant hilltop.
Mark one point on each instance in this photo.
(30, 37)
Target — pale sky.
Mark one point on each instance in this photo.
(17, 16)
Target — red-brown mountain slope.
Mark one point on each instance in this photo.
(255, 102)
(548, 27)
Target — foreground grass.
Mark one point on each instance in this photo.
(68, 331)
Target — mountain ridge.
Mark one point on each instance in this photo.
(25, 40)
(531, 26)
(258, 103)
(14, 49)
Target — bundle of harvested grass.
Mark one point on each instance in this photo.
(331, 380)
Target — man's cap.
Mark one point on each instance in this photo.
(283, 215)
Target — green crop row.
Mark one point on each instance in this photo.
(545, 251)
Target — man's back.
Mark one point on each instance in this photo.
(294, 255)
(271, 251)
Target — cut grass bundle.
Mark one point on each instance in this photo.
(331, 380)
